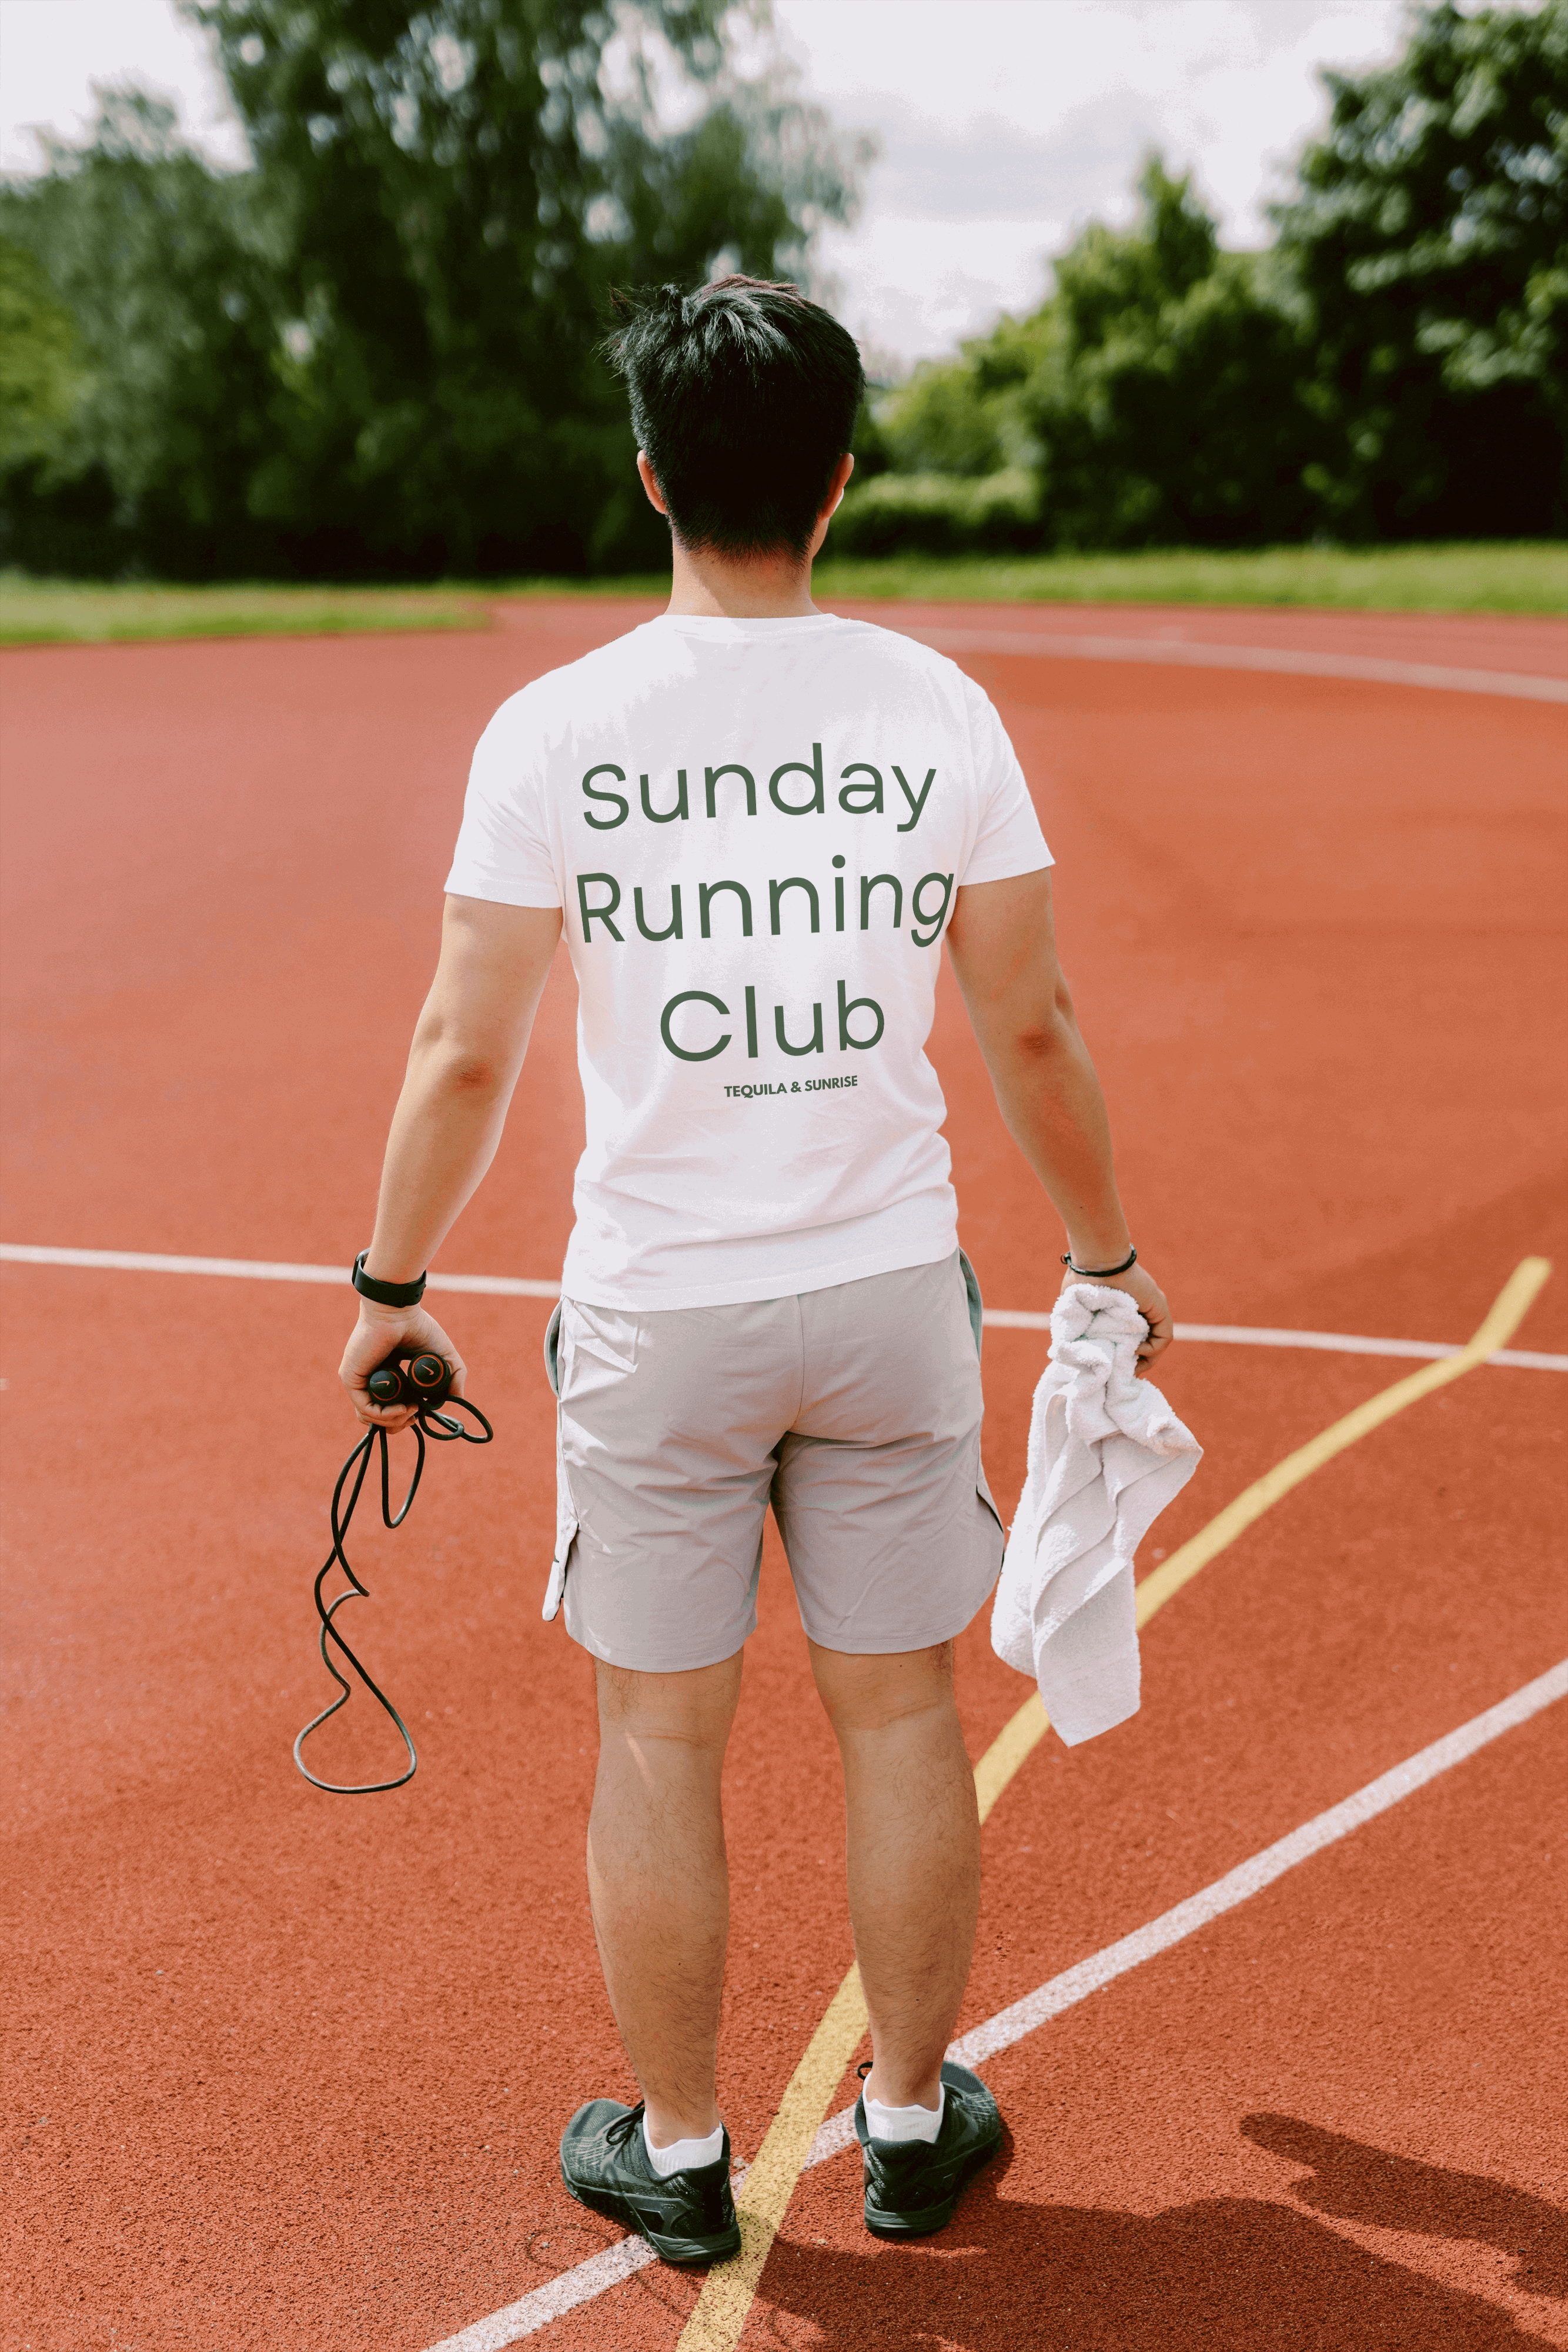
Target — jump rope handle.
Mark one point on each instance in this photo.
(423, 1380)
(411, 1380)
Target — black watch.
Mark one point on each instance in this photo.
(384, 1294)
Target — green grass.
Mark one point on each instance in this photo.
(1530, 576)
(82, 612)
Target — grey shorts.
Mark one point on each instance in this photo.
(855, 1412)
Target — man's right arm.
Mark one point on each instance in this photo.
(468, 1047)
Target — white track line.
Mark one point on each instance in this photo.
(257, 1270)
(592, 2277)
(1277, 660)
(1339, 1343)
(506, 1286)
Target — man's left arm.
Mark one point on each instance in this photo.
(1002, 941)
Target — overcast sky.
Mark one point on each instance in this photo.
(1002, 124)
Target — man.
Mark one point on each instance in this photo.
(758, 823)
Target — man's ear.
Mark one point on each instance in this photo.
(836, 489)
(650, 483)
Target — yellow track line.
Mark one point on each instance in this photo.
(720, 2312)
(1506, 1314)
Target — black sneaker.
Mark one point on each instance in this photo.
(689, 2218)
(912, 2186)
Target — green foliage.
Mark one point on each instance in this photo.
(940, 514)
(1397, 367)
(375, 352)
(1165, 403)
(40, 362)
(965, 419)
(151, 255)
(940, 423)
(1429, 249)
(1155, 399)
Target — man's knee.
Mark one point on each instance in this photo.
(871, 1693)
(694, 1708)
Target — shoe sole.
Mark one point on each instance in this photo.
(682, 2253)
(925, 2220)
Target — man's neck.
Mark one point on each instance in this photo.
(765, 588)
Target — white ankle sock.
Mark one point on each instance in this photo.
(906, 2123)
(682, 2154)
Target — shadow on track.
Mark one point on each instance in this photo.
(1231, 2274)
(1366, 2184)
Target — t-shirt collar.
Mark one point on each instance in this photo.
(721, 629)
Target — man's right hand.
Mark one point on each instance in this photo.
(379, 1332)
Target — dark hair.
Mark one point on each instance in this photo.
(743, 396)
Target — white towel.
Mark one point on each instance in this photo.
(1106, 1453)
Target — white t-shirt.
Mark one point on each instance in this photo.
(756, 830)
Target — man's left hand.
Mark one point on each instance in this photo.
(1151, 1302)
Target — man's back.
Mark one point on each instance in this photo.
(756, 829)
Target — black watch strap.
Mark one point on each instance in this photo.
(384, 1294)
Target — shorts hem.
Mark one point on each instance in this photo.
(908, 1638)
(665, 1666)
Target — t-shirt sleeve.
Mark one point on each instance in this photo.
(1008, 838)
(503, 847)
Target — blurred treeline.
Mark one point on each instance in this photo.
(373, 353)
(1394, 367)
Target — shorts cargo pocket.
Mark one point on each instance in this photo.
(565, 1516)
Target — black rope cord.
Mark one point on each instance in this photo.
(427, 1378)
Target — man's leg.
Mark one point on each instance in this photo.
(913, 1855)
(659, 1881)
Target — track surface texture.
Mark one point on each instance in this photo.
(289, 2070)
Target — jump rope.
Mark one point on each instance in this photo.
(423, 1380)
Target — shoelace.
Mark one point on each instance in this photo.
(442, 1430)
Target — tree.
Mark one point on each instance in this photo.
(939, 422)
(454, 189)
(1152, 399)
(40, 362)
(1397, 366)
(147, 263)
(1429, 247)
(1163, 394)
(375, 351)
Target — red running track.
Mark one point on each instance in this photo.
(291, 2072)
